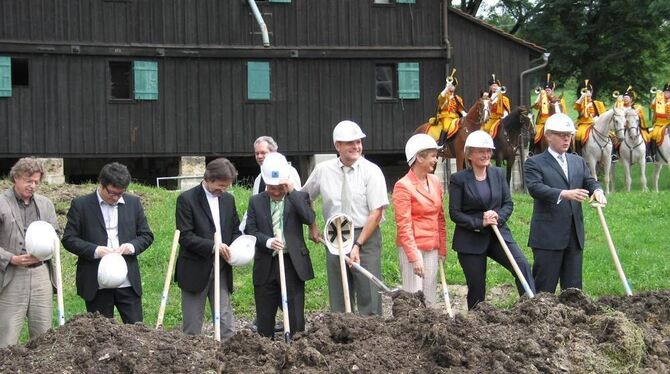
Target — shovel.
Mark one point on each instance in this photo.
(217, 291)
(59, 282)
(610, 244)
(343, 266)
(512, 261)
(376, 281)
(445, 291)
(284, 297)
(168, 276)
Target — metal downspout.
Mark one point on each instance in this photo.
(447, 46)
(261, 23)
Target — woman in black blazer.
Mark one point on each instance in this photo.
(478, 198)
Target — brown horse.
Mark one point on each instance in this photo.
(454, 147)
(516, 128)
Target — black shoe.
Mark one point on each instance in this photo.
(279, 327)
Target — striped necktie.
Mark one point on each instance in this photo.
(564, 164)
(277, 221)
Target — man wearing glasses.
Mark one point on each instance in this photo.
(201, 211)
(559, 182)
(103, 222)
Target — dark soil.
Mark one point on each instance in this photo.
(549, 334)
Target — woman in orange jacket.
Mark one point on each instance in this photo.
(419, 214)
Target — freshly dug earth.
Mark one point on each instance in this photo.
(566, 333)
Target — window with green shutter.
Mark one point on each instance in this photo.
(408, 80)
(146, 80)
(258, 80)
(5, 76)
(405, 1)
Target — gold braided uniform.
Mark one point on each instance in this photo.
(660, 119)
(498, 110)
(543, 114)
(586, 117)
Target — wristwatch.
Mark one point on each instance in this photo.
(358, 244)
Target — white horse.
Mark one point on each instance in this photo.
(633, 149)
(598, 147)
(662, 157)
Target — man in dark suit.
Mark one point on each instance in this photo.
(202, 211)
(103, 222)
(275, 217)
(558, 182)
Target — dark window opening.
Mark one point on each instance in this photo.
(20, 72)
(120, 79)
(384, 82)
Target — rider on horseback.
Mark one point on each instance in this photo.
(499, 105)
(546, 105)
(589, 110)
(629, 98)
(660, 108)
(449, 108)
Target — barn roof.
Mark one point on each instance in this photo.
(506, 35)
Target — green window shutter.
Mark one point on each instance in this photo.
(258, 80)
(405, 1)
(280, 1)
(5, 76)
(408, 80)
(146, 80)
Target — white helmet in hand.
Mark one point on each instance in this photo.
(242, 249)
(41, 239)
(112, 270)
(347, 131)
(479, 139)
(559, 122)
(418, 143)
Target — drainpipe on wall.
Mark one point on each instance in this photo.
(261, 23)
(447, 46)
(545, 57)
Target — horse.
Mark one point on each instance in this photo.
(454, 147)
(514, 128)
(632, 149)
(598, 146)
(662, 157)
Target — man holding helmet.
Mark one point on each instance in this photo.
(559, 182)
(275, 217)
(25, 283)
(352, 185)
(103, 223)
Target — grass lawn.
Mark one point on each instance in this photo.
(637, 222)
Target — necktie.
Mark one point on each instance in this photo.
(277, 222)
(564, 164)
(345, 198)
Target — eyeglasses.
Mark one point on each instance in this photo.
(114, 193)
(562, 134)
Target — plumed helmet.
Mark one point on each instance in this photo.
(112, 270)
(630, 93)
(559, 122)
(41, 239)
(418, 143)
(550, 84)
(242, 249)
(479, 139)
(275, 169)
(347, 131)
(493, 80)
(666, 87)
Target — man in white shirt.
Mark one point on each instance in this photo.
(103, 222)
(352, 185)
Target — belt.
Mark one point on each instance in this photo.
(37, 264)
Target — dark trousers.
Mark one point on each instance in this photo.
(127, 302)
(551, 265)
(268, 299)
(474, 268)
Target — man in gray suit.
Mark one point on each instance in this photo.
(25, 283)
(558, 182)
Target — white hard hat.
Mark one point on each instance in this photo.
(346, 225)
(418, 143)
(559, 122)
(479, 139)
(275, 168)
(112, 270)
(41, 239)
(347, 131)
(243, 248)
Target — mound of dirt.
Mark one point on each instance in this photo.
(566, 333)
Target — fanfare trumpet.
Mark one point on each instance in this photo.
(450, 80)
(584, 90)
(653, 90)
(538, 89)
(503, 89)
(615, 94)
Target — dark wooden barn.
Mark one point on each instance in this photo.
(152, 79)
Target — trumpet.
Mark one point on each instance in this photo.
(615, 94)
(450, 80)
(503, 89)
(653, 90)
(584, 90)
(538, 89)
